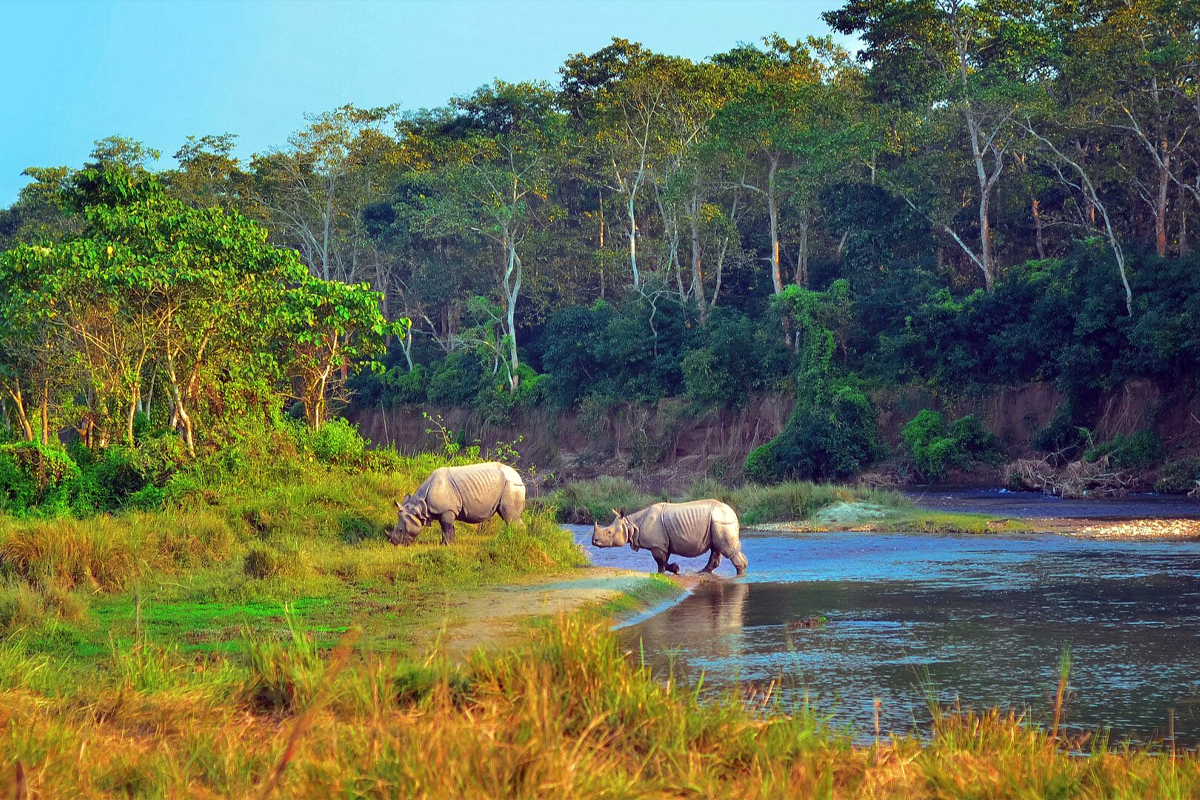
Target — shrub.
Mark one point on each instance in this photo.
(1139, 450)
(1179, 477)
(335, 442)
(936, 447)
(830, 437)
(736, 358)
(37, 477)
(404, 386)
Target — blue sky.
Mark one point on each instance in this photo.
(75, 72)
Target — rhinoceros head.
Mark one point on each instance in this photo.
(410, 519)
(618, 534)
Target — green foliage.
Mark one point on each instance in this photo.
(1179, 476)
(935, 447)
(335, 442)
(195, 299)
(1139, 450)
(1063, 433)
(584, 502)
(36, 479)
(733, 358)
(832, 435)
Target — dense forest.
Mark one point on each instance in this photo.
(984, 194)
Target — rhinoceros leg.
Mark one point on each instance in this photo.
(512, 502)
(447, 521)
(740, 562)
(661, 558)
(714, 561)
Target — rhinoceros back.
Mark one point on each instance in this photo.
(481, 488)
(688, 526)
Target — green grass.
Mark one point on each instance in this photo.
(585, 502)
(582, 502)
(280, 529)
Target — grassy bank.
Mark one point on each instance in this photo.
(582, 502)
(567, 715)
(274, 525)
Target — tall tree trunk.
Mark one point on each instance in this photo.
(773, 215)
(600, 193)
(131, 413)
(22, 415)
(697, 274)
(1160, 203)
(1089, 204)
(512, 289)
(1035, 206)
(325, 234)
(802, 253)
(183, 419)
(633, 265)
(45, 412)
(1183, 231)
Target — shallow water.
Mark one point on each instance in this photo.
(983, 619)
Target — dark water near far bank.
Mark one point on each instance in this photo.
(985, 618)
(1005, 503)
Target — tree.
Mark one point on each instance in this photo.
(937, 57)
(209, 174)
(497, 174)
(316, 188)
(329, 331)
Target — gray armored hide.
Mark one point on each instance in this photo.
(474, 493)
(684, 529)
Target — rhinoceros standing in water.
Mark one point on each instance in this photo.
(684, 529)
(474, 493)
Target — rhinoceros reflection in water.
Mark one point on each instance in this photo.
(684, 529)
(715, 615)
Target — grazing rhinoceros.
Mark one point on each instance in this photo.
(684, 529)
(474, 493)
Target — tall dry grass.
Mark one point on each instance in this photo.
(566, 716)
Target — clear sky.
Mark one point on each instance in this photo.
(74, 72)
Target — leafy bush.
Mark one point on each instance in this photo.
(1179, 477)
(830, 437)
(458, 379)
(1139, 450)
(36, 478)
(335, 442)
(936, 447)
(1062, 433)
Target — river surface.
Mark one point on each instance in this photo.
(1005, 503)
(981, 619)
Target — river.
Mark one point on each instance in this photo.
(982, 619)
